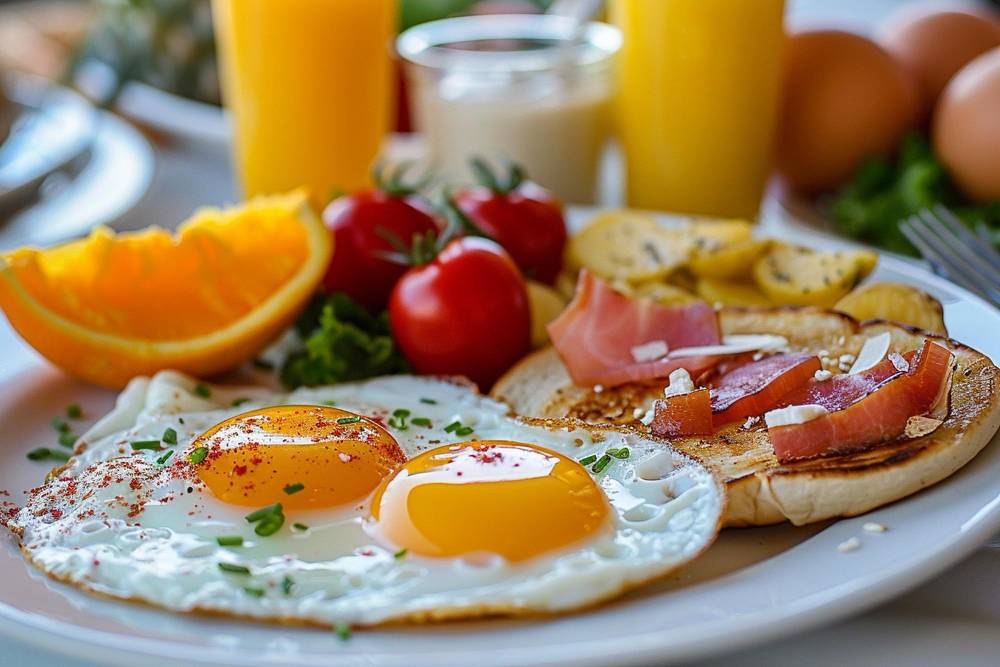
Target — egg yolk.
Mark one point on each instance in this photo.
(303, 456)
(512, 499)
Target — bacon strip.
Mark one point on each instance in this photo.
(686, 414)
(755, 388)
(596, 333)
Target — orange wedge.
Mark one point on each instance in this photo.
(110, 307)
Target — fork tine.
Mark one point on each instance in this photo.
(962, 248)
(975, 243)
(943, 260)
(958, 259)
(983, 232)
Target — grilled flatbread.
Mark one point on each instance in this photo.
(761, 490)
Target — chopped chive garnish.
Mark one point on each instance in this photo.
(343, 631)
(329, 403)
(263, 364)
(587, 460)
(300, 526)
(43, 453)
(452, 427)
(229, 541)
(428, 401)
(239, 401)
(256, 592)
(198, 455)
(59, 424)
(349, 420)
(202, 390)
(74, 411)
(611, 451)
(421, 421)
(169, 436)
(464, 431)
(163, 459)
(294, 488)
(264, 512)
(286, 585)
(268, 519)
(401, 413)
(602, 463)
(146, 444)
(401, 554)
(621, 454)
(234, 569)
(67, 439)
(180, 420)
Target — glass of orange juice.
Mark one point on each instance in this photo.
(308, 85)
(699, 82)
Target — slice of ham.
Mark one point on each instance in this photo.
(683, 415)
(840, 391)
(759, 386)
(877, 417)
(597, 332)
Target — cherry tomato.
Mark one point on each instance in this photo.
(365, 226)
(465, 312)
(523, 217)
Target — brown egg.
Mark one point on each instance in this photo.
(967, 128)
(934, 44)
(844, 99)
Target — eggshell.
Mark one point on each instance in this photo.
(967, 128)
(845, 99)
(934, 44)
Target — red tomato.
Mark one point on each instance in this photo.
(464, 313)
(521, 216)
(362, 224)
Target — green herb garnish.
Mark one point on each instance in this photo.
(294, 488)
(329, 403)
(163, 459)
(452, 427)
(153, 445)
(428, 401)
(239, 401)
(268, 520)
(343, 630)
(601, 464)
(233, 568)
(43, 453)
(300, 526)
(169, 436)
(202, 390)
(464, 431)
(198, 455)
(587, 460)
(229, 541)
(401, 554)
(398, 419)
(254, 591)
(74, 411)
(286, 585)
(341, 341)
(67, 439)
(59, 424)
(620, 454)
(421, 421)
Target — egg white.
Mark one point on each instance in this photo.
(117, 523)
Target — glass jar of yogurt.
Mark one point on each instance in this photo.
(532, 89)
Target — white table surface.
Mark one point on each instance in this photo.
(952, 620)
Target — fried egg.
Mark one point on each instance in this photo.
(399, 498)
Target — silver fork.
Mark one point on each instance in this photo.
(954, 252)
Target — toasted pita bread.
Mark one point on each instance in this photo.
(761, 490)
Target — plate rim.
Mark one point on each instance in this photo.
(741, 632)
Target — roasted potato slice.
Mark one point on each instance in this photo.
(802, 276)
(629, 245)
(731, 293)
(716, 234)
(728, 261)
(896, 302)
(664, 293)
(546, 304)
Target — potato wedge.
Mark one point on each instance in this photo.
(895, 302)
(629, 245)
(716, 234)
(546, 304)
(729, 261)
(802, 276)
(731, 293)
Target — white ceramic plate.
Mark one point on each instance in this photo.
(752, 585)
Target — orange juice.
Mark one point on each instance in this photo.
(699, 84)
(308, 85)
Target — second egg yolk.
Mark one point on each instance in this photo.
(514, 500)
(304, 456)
